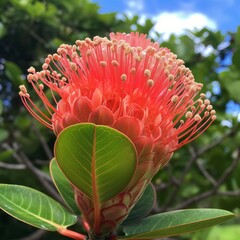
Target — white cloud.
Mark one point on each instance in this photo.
(176, 22)
(134, 6)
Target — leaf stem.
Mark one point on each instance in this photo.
(72, 234)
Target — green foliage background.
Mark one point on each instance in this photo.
(205, 173)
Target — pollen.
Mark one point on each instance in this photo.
(147, 73)
(103, 63)
(170, 77)
(133, 70)
(47, 60)
(123, 77)
(188, 114)
(197, 117)
(31, 70)
(62, 51)
(174, 99)
(73, 66)
(150, 82)
(115, 63)
(74, 55)
(23, 89)
(45, 66)
(213, 112)
(206, 102)
(209, 107)
(56, 57)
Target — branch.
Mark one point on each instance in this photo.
(193, 159)
(206, 173)
(214, 190)
(42, 141)
(177, 183)
(12, 166)
(218, 140)
(230, 193)
(42, 177)
(35, 236)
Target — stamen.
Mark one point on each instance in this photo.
(147, 73)
(174, 99)
(197, 117)
(123, 77)
(150, 82)
(115, 63)
(188, 114)
(103, 63)
(45, 66)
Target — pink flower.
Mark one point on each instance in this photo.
(128, 83)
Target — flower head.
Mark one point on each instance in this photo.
(128, 83)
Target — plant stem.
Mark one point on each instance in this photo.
(72, 234)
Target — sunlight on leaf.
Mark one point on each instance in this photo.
(34, 208)
(176, 223)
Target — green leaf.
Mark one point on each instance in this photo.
(98, 160)
(2, 30)
(1, 107)
(63, 185)
(234, 90)
(5, 154)
(14, 73)
(34, 208)
(3, 134)
(236, 57)
(229, 232)
(176, 223)
(142, 207)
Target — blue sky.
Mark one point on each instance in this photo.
(175, 15)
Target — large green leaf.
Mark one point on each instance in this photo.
(228, 232)
(176, 223)
(63, 185)
(98, 160)
(34, 208)
(3, 134)
(233, 90)
(14, 73)
(142, 207)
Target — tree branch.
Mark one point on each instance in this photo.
(38, 234)
(42, 177)
(214, 190)
(43, 142)
(12, 166)
(194, 156)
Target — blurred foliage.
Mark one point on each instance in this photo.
(203, 174)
